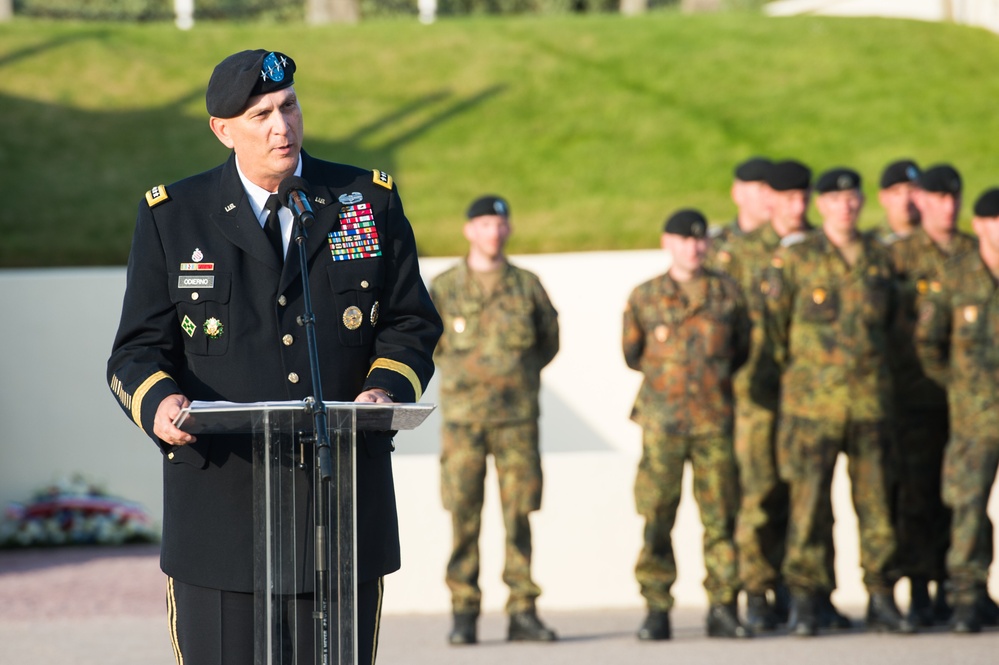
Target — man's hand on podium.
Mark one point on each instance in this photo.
(166, 413)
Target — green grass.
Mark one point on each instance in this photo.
(594, 127)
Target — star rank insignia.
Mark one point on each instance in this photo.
(157, 195)
(382, 178)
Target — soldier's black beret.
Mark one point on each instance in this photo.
(839, 179)
(753, 169)
(789, 175)
(688, 223)
(902, 170)
(489, 204)
(942, 178)
(243, 75)
(987, 204)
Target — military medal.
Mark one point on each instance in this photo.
(819, 296)
(213, 328)
(459, 324)
(373, 317)
(970, 313)
(661, 333)
(352, 318)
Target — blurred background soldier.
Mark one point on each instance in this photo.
(761, 526)
(829, 303)
(922, 522)
(895, 196)
(687, 331)
(500, 330)
(961, 319)
(750, 195)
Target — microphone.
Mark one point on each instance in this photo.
(294, 192)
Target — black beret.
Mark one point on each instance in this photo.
(488, 205)
(788, 175)
(903, 170)
(987, 204)
(243, 75)
(753, 169)
(942, 178)
(688, 223)
(839, 179)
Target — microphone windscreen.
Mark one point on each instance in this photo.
(290, 184)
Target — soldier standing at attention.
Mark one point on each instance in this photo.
(922, 522)
(750, 195)
(500, 330)
(687, 331)
(961, 319)
(829, 315)
(895, 196)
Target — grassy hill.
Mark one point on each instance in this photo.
(595, 127)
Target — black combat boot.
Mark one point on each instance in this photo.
(463, 631)
(723, 621)
(828, 616)
(656, 626)
(805, 622)
(920, 605)
(527, 627)
(759, 616)
(988, 611)
(883, 615)
(782, 603)
(941, 608)
(966, 619)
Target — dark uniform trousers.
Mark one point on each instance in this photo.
(215, 627)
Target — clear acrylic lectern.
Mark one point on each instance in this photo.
(294, 549)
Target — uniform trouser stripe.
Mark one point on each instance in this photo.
(378, 619)
(172, 621)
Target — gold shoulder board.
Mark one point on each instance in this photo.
(382, 178)
(157, 195)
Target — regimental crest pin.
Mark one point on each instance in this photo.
(213, 328)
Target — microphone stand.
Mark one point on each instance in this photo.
(324, 461)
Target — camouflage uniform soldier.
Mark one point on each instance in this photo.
(500, 330)
(961, 319)
(749, 193)
(761, 526)
(922, 522)
(895, 196)
(829, 315)
(686, 331)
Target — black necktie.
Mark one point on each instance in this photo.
(272, 227)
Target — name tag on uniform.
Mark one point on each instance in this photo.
(196, 282)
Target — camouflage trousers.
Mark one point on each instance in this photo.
(807, 450)
(922, 521)
(970, 465)
(464, 452)
(657, 497)
(761, 525)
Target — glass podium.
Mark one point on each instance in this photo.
(296, 550)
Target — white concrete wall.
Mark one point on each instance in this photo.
(981, 13)
(57, 417)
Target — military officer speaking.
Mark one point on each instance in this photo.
(210, 313)
(500, 331)
(687, 331)
(829, 314)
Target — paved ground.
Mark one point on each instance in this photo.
(104, 606)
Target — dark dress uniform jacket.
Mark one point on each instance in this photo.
(204, 226)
